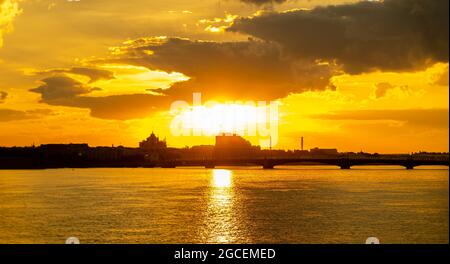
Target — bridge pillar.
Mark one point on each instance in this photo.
(344, 164)
(267, 165)
(409, 164)
(409, 167)
(210, 165)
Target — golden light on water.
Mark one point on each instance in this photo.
(222, 178)
(220, 220)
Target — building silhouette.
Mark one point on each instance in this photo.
(324, 151)
(230, 149)
(153, 143)
(233, 146)
(153, 148)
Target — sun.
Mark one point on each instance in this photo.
(242, 119)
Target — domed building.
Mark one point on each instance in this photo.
(152, 143)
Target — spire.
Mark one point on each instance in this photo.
(152, 135)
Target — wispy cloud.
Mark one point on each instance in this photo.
(9, 9)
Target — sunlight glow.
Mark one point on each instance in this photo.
(222, 178)
(136, 79)
(224, 118)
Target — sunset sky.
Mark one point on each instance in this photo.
(352, 75)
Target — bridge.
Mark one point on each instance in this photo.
(408, 162)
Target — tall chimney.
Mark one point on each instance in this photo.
(302, 144)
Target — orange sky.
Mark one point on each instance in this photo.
(369, 76)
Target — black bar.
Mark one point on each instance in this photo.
(283, 253)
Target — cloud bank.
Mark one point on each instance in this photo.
(247, 70)
(64, 91)
(390, 35)
(287, 53)
(92, 73)
(58, 87)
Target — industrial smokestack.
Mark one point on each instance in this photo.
(301, 144)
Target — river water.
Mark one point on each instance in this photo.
(226, 205)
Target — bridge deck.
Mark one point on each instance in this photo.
(344, 163)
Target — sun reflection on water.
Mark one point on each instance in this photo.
(221, 178)
(221, 214)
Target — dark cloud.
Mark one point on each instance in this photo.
(437, 118)
(3, 96)
(390, 35)
(61, 87)
(92, 73)
(381, 89)
(7, 115)
(120, 107)
(65, 91)
(441, 78)
(247, 70)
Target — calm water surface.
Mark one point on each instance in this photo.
(229, 205)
